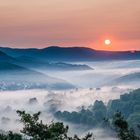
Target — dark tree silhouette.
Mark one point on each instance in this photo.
(122, 128)
(35, 129)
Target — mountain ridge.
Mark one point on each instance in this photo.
(56, 53)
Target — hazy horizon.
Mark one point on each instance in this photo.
(29, 24)
(69, 47)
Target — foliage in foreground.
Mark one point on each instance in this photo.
(10, 136)
(34, 129)
(122, 128)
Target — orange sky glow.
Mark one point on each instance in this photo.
(42, 23)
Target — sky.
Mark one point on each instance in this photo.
(42, 23)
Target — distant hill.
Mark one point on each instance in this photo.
(5, 57)
(40, 64)
(132, 80)
(55, 53)
(36, 62)
(132, 77)
(14, 77)
(5, 66)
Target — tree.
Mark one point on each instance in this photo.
(39, 131)
(122, 128)
(10, 136)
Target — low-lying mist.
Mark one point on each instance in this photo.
(104, 73)
(90, 85)
(48, 102)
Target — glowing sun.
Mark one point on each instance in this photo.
(107, 42)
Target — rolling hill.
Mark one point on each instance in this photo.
(5, 58)
(40, 64)
(55, 53)
(14, 77)
(129, 78)
(36, 62)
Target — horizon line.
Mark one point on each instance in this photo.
(133, 50)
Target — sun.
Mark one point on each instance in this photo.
(107, 42)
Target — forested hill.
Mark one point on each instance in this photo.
(128, 105)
